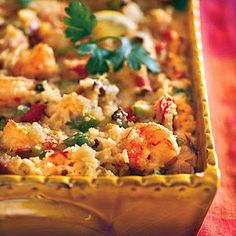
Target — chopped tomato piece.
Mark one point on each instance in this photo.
(131, 116)
(170, 35)
(24, 152)
(81, 70)
(178, 74)
(34, 114)
(142, 82)
(58, 158)
(160, 45)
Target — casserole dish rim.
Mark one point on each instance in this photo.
(209, 176)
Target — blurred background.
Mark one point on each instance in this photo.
(218, 19)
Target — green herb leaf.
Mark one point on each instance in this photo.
(139, 56)
(98, 62)
(78, 139)
(80, 21)
(3, 122)
(86, 48)
(83, 123)
(120, 54)
(185, 91)
(135, 54)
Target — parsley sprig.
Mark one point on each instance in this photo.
(80, 23)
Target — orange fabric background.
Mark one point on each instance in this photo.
(218, 19)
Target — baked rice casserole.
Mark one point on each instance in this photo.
(103, 93)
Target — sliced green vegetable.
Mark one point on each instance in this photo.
(83, 123)
(115, 4)
(180, 141)
(78, 139)
(185, 91)
(68, 86)
(179, 90)
(23, 3)
(85, 126)
(38, 152)
(180, 4)
(21, 110)
(3, 122)
(142, 109)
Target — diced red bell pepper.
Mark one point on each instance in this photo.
(159, 46)
(51, 142)
(59, 158)
(142, 82)
(178, 74)
(131, 116)
(17, 99)
(81, 70)
(34, 114)
(4, 170)
(170, 35)
(24, 153)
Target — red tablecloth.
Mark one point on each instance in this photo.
(219, 42)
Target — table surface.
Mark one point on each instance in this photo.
(219, 45)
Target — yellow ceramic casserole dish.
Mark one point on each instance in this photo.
(134, 205)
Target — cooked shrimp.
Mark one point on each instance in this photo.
(150, 147)
(25, 136)
(14, 90)
(38, 62)
(22, 136)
